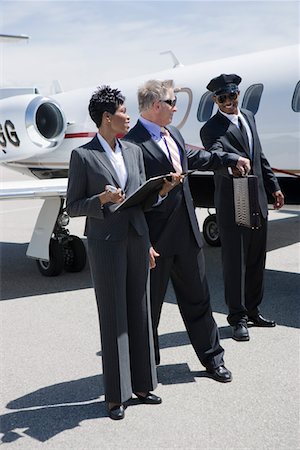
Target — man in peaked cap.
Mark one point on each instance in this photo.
(233, 130)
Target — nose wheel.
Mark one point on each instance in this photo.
(210, 231)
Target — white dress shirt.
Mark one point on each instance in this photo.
(234, 119)
(116, 158)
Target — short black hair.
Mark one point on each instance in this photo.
(104, 99)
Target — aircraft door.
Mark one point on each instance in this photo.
(184, 103)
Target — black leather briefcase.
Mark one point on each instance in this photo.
(247, 212)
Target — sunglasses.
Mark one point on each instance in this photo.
(222, 98)
(170, 102)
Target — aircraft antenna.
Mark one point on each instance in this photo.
(175, 60)
(13, 37)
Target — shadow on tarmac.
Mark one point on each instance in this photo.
(52, 413)
(281, 288)
(16, 266)
(52, 410)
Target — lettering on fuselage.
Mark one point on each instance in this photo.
(8, 133)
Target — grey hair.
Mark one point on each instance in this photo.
(153, 91)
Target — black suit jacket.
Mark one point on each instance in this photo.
(168, 222)
(220, 134)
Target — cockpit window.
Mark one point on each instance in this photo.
(205, 107)
(252, 97)
(296, 98)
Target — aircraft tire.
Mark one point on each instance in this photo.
(210, 231)
(55, 265)
(74, 254)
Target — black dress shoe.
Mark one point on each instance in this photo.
(149, 399)
(117, 412)
(240, 331)
(220, 374)
(260, 321)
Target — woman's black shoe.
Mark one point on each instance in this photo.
(149, 399)
(117, 412)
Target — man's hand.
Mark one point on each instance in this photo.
(152, 255)
(243, 166)
(168, 185)
(279, 199)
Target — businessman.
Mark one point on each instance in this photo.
(233, 130)
(173, 226)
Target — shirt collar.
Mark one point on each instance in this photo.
(232, 117)
(107, 147)
(152, 128)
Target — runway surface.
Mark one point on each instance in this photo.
(51, 374)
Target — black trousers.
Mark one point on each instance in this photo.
(186, 269)
(243, 257)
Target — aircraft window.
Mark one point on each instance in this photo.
(252, 97)
(205, 107)
(296, 98)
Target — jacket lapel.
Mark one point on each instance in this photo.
(151, 146)
(235, 133)
(128, 161)
(97, 149)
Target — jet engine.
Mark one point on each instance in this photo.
(30, 125)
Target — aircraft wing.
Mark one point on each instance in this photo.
(33, 189)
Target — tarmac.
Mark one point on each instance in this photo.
(51, 375)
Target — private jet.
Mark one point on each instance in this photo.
(38, 133)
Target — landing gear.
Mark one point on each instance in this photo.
(69, 253)
(210, 231)
(55, 264)
(66, 251)
(74, 254)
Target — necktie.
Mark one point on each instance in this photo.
(243, 132)
(173, 150)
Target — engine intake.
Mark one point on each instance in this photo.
(45, 122)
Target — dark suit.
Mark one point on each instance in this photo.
(118, 247)
(175, 234)
(243, 249)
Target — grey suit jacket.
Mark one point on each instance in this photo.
(220, 134)
(89, 171)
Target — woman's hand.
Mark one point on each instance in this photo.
(111, 195)
(169, 184)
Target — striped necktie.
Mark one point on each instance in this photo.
(173, 150)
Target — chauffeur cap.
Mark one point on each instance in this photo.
(224, 84)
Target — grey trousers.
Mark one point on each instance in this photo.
(120, 272)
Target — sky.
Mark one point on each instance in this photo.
(87, 43)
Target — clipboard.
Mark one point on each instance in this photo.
(142, 192)
(151, 185)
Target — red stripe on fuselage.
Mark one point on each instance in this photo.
(79, 135)
(85, 135)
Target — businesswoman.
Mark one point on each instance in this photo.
(101, 174)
